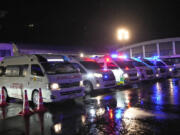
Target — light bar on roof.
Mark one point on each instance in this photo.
(88, 59)
(114, 55)
(81, 55)
(153, 58)
(125, 56)
(122, 56)
(107, 59)
(55, 60)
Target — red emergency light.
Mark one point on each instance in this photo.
(88, 59)
(126, 68)
(107, 59)
(122, 56)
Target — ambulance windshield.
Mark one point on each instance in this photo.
(124, 64)
(59, 68)
(90, 65)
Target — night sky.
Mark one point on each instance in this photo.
(87, 24)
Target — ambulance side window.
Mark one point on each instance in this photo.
(23, 70)
(36, 70)
(79, 67)
(12, 71)
(2, 71)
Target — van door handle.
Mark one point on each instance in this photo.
(28, 83)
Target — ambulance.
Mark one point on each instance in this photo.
(58, 79)
(124, 72)
(108, 65)
(130, 72)
(174, 65)
(145, 71)
(162, 70)
(94, 78)
(169, 66)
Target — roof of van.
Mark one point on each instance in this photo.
(29, 58)
(19, 59)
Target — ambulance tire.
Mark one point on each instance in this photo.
(35, 97)
(88, 86)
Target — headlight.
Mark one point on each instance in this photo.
(170, 69)
(157, 75)
(158, 69)
(98, 75)
(97, 85)
(90, 75)
(100, 111)
(92, 111)
(81, 84)
(57, 127)
(54, 86)
(138, 75)
(125, 75)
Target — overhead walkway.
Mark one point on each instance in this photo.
(160, 47)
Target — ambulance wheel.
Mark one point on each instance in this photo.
(88, 86)
(35, 97)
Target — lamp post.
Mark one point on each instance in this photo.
(123, 35)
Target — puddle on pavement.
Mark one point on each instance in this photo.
(145, 110)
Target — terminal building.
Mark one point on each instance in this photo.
(11, 49)
(161, 47)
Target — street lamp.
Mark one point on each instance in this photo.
(122, 34)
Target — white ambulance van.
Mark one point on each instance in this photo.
(94, 78)
(108, 64)
(145, 71)
(162, 69)
(124, 71)
(58, 79)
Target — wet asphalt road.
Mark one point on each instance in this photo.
(151, 108)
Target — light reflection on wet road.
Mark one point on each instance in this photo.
(152, 108)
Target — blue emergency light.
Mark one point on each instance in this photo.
(118, 114)
(114, 55)
(105, 76)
